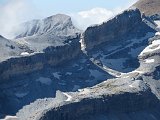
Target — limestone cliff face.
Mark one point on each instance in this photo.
(52, 55)
(105, 103)
(128, 24)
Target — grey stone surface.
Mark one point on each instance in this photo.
(130, 95)
(56, 42)
(116, 78)
(128, 24)
(57, 25)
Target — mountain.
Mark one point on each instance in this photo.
(49, 60)
(57, 25)
(9, 48)
(121, 27)
(109, 71)
(131, 57)
(56, 36)
(149, 7)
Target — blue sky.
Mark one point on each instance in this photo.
(68, 6)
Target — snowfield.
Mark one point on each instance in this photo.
(24, 53)
(155, 45)
(69, 98)
(21, 95)
(10, 118)
(56, 75)
(157, 33)
(149, 60)
(158, 23)
(84, 91)
(46, 81)
(131, 86)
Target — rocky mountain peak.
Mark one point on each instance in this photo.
(59, 25)
(59, 18)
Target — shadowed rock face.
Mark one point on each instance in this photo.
(149, 7)
(116, 103)
(128, 24)
(112, 96)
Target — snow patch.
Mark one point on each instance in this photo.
(157, 33)
(158, 23)
(126, 75)
(112, 72)
(82, 44)
(69, 98)
(60, 83)
(131, 86)
(68, 73)
(152, 47)
(84, 91)
(138, 71)
(46, 81)
(149, 60)
(10, 118)
(75, 65)
(21, 95)
(24, 53)
(57, 75)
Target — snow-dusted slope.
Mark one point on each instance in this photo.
(56, 25)
(8, 49)
(50, 41)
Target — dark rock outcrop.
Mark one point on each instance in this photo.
(126, 25)
(117, 103)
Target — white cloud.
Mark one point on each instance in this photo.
(13, 12)
(84, 19)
